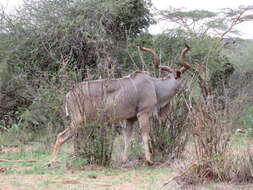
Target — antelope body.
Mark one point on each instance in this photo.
(131, 98)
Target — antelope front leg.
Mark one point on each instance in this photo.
(145, 128)
(61, 139)
(127, 134)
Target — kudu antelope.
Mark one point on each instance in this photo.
(131, 98)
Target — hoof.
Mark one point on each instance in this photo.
(124, 163)
(53, 164)
(149, 163)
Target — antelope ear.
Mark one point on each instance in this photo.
(178, 74)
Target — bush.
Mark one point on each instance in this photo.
(95, 143)
(169, 135)
(210, 129)
(45, 37)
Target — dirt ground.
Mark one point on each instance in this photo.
(25, 168)
(130, 179)
(107, 179)
(101, 179)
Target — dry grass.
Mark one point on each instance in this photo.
(214, 159)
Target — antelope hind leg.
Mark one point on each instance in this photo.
(145, 128)
(127, 132)
(61, 139)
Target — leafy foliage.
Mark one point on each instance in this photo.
(169, 135)
(48, 40)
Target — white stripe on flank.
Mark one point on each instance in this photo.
(66, 110)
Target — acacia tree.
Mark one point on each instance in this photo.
(203, 22)
(209, 115)
(207, 52)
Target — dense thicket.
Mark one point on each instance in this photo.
(47, 40)
(48, 45)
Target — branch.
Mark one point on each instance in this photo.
(237, 20)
